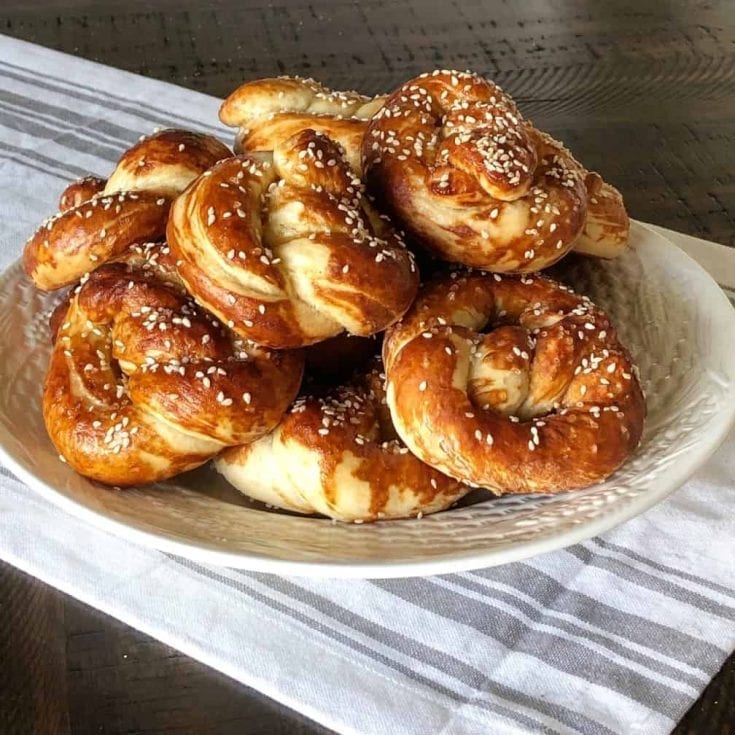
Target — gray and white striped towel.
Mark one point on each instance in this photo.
(616, 635)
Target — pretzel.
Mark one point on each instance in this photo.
(546, 400)
(143, 384)
(286, 249)
(452, 158)
(269, 111)
(338, 456)
(96, 224)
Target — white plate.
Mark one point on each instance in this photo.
(674, 318)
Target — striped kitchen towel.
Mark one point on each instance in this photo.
(619, 634)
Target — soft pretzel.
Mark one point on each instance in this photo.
(269, 111)
(339, 456)
(546, 400)
(452, 158)
(143, 384)
(99, 220)
(286, 249)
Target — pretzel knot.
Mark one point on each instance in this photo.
(453, 159)
(287, 250)
(338, 455)
(546, 400)
(269, 111)
(98, 220)
(143, 384)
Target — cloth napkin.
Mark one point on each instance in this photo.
(619, 634)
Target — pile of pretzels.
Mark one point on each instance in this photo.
(345, 313)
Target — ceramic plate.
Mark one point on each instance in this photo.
(671, 314)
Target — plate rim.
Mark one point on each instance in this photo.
(200, 551)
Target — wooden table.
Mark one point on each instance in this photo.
(643, 90)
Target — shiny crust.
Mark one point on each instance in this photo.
(99, 219)
(82, 238)
(607, 227)
(166, 162)
(143, 384)
(269, 111)
(286, 249)
(80, 191)
(547, 400)
(452, 158)
(339, 456)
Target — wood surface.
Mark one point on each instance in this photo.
(644, 90)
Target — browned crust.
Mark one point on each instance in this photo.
(312, 262)
(450, 156)
(267, 134)
(166, 162)
(78, 240)
(143, 384)
(349, 421)
(99, 220)
(263, 97)
(80, 191)
(584, 411)
(269, 111)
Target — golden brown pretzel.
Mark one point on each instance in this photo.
(547, 400)
(338, 455)
(132, 207)
(288, 251)
(452, 158)
(143, 384)
(269, 111)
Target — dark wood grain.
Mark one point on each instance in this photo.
(69, 669)
(644, 90)
(33, 665)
